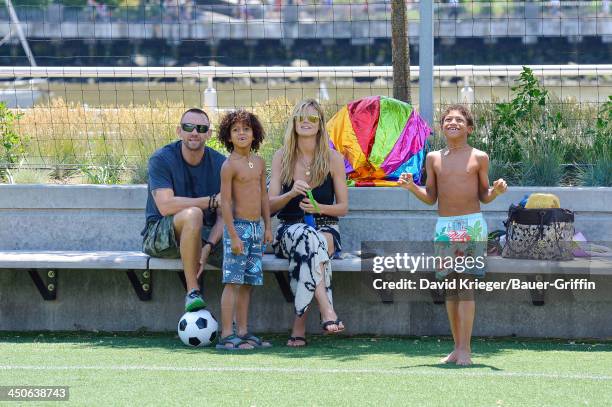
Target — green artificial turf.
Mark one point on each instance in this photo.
(148, 369)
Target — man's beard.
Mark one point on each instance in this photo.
(189, 145)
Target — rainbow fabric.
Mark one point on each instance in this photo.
(380, 138)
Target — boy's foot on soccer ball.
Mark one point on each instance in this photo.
(194, 301)
(463, 358)
(450, 358)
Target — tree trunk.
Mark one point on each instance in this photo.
(400, 51)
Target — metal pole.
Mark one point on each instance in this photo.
(426, 60)
(22, 38)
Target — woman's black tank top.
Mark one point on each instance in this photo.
(323, 194)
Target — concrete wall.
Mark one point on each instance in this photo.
(105, 301)
(89, 217)
(101, 217)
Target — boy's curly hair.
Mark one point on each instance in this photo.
(240, 116)
(465, 112)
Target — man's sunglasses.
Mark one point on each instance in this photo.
(312, 118)
(200, 128)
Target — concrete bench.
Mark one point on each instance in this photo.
(43, 267)
(270, 263)
(536, 270)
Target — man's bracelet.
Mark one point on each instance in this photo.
(205, 242)
(212, 202)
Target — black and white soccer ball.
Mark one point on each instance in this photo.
(198, 328)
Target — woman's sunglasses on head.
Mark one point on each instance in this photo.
(311, 118)
(200, 128)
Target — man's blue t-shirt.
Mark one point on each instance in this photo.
(168, 169)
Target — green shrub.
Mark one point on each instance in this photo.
(540, 131)
(533, 135)
(505, 170)
(13, 145)
(598, 168)
(30, 176)
(108, 170)
(541, 164)
(140, 173)
(598, 174)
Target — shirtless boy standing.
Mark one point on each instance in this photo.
(457, 177)
(244, 201)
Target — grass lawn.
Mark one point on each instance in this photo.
(149, 369)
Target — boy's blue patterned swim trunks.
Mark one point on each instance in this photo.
(243, 268)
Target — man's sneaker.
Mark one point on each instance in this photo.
(194, 301)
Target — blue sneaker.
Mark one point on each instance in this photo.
(194, 301)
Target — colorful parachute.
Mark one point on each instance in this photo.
(380, 138)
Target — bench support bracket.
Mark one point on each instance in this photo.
(181, 275)
(141, 281)
(385, 295)
(437, 295)
(283, 284)
(45, 282)
(537, 295)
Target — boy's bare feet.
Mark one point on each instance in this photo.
(463, 358)
(450, 358)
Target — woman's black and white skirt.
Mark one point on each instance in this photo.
(309, 261)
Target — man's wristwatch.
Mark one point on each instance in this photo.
(208, 242)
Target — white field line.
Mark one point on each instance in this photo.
(391, 372)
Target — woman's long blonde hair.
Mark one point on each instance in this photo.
(321, 162)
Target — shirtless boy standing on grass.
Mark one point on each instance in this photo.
(458, 178)
(244, 201)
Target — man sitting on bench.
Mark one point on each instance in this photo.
(183, 196)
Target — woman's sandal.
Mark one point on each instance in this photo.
(255, 341)
(297, 338)
(326, 331)
(233, 340)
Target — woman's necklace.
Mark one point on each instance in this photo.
(248, 157)
(306, 166)
(449, 149)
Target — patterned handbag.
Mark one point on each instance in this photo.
(540, 234)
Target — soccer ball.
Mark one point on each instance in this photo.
(197, 328)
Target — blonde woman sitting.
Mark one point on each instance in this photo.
(306, 163)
